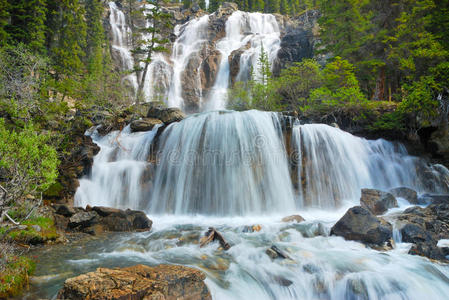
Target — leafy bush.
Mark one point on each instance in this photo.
(28, 164)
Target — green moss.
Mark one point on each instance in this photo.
(14, 275)
(32, 236)
(54, 190)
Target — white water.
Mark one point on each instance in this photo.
(253, 29)
(120, 173)
(120, 43)
(191, 38)
(336, 165)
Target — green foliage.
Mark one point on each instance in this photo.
(297, 81)
(4, 17)
(28, 163)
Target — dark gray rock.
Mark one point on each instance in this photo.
(359, 224)
(83, 219)
(378, 202)
(166, 115)
(412, 233)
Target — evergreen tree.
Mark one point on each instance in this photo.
(156, 31)
(27, 23)
(284, 7)
(95, 37)
(272, 6)
(4, 16)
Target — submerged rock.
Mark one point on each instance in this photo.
(359, 224)
(378, 202)
(408, 194)
(138, 282)
(293, 218)
(274, 252)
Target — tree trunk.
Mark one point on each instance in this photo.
(379, 93)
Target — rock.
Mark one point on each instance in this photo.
(359, 224)
(376, 201)
(64, 209)
(145, 124)
(412, 233)
(408, 194)
(428, 250)
(83, 219)
(213, 235)
(168, 282)
(166, 115)
(37, 228)
(253, 228)
(434, 199)
(274, 252)
(293, 218)
(104, 211)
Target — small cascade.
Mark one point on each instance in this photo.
(121, 175)
(120, 44)
(191, 38)
(223, 163)
(247, 32)
(333, 166)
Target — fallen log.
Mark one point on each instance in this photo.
(213, 235)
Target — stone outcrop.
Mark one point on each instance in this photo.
(166, 115)
(144, 124)
(163, 282)
(406, 193)
(359, 224)
(424, 227)
(378, 202)
(98, 219)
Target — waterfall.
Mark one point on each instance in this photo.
(121, 176)
(120, 44)
(236, 163)
(335, 165)
(223, 163)
(191, 38)
(248, 32)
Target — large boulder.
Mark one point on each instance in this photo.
(408, 194)
(163, 282)
(145, 124)
(359, 224)
(166, 115)
(378, 202)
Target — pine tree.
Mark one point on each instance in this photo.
(284, 7)
(159, 22)
(4, 16)
(27, 23)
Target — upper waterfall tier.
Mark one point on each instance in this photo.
(242, 163)
(208, 54)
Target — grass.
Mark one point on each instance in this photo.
(14, 273)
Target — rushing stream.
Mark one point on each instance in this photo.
(232, 170)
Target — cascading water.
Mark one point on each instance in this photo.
(230, 170)
(120, 44)
(191, 38)
(223, 163)
(335, 165)
(251, 32)
(120, 174)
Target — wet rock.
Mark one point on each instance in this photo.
(253, 228)
(138, 282)
(106, 211)
(408, 194)
(293, 218)
(378, 202)
(359, 224)
(429, 250)
(213, 235)
(64, 209)
(434, 199)
(83, 219)
(412, 233)
(145, 124)
(166, 115)
(274, 252)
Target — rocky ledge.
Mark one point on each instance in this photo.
(163, 282)
(98, 219)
